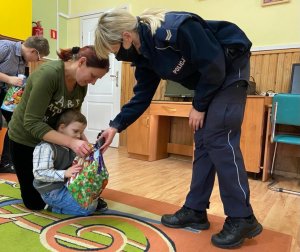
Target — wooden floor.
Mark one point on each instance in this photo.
(168, 180)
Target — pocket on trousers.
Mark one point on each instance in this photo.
(234, 116)
(215, 118)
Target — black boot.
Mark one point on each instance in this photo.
(235, 230)
(101, 206)
(186, 217)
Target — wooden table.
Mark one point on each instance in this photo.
(148, 138)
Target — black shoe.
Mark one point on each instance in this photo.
(186, 217)
(102, 205)
(7, 168)
(235, 230)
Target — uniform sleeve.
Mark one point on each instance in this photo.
(200, 47)
(144, 90)
(43, 86)
(43, 166)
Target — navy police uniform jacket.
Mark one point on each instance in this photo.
(205, 56)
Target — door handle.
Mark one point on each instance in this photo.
(170, 109)
(116, 76)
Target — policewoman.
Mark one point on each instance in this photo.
(212, 58)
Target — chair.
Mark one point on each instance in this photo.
(285, 111)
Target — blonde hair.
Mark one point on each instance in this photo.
(153, 18)
(113, 23)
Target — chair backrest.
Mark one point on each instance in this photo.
(286, 109)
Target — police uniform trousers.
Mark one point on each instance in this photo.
(217, 151)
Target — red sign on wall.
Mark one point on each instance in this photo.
(53, 34)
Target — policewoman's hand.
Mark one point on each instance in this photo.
(108, 136)
(196, 119)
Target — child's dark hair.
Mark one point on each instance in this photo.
(69, 116)
(89, 52)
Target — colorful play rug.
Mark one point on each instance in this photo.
(131, 224)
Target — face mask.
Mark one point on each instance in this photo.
(129, 54)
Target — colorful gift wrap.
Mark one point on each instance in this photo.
(12, 98)
(13, 95)
(87, 185)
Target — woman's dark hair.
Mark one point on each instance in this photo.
(92, 60)
(69, 116)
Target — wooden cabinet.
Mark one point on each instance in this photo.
(253, 133)
(148, 138)
(35, 65)
(138, 143)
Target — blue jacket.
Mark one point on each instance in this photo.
(205, 56)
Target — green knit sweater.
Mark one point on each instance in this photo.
(44, 99)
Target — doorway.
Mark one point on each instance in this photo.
(102, 102)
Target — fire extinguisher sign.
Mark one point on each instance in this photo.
(53, 34)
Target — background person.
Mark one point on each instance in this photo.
(211, 57)
(50, 90)
(14, 57)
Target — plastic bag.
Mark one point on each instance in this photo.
(13, 95)
(12, 98)
(87, 185)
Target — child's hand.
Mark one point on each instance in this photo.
(73, 170)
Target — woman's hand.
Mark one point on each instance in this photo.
(108, 136)
(80, 147)
(196, 119)
(73, 170)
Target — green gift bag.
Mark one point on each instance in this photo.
(87, 185)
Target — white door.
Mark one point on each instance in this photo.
(102, 102)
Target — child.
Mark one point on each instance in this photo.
(52, 166)
(14, 57)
